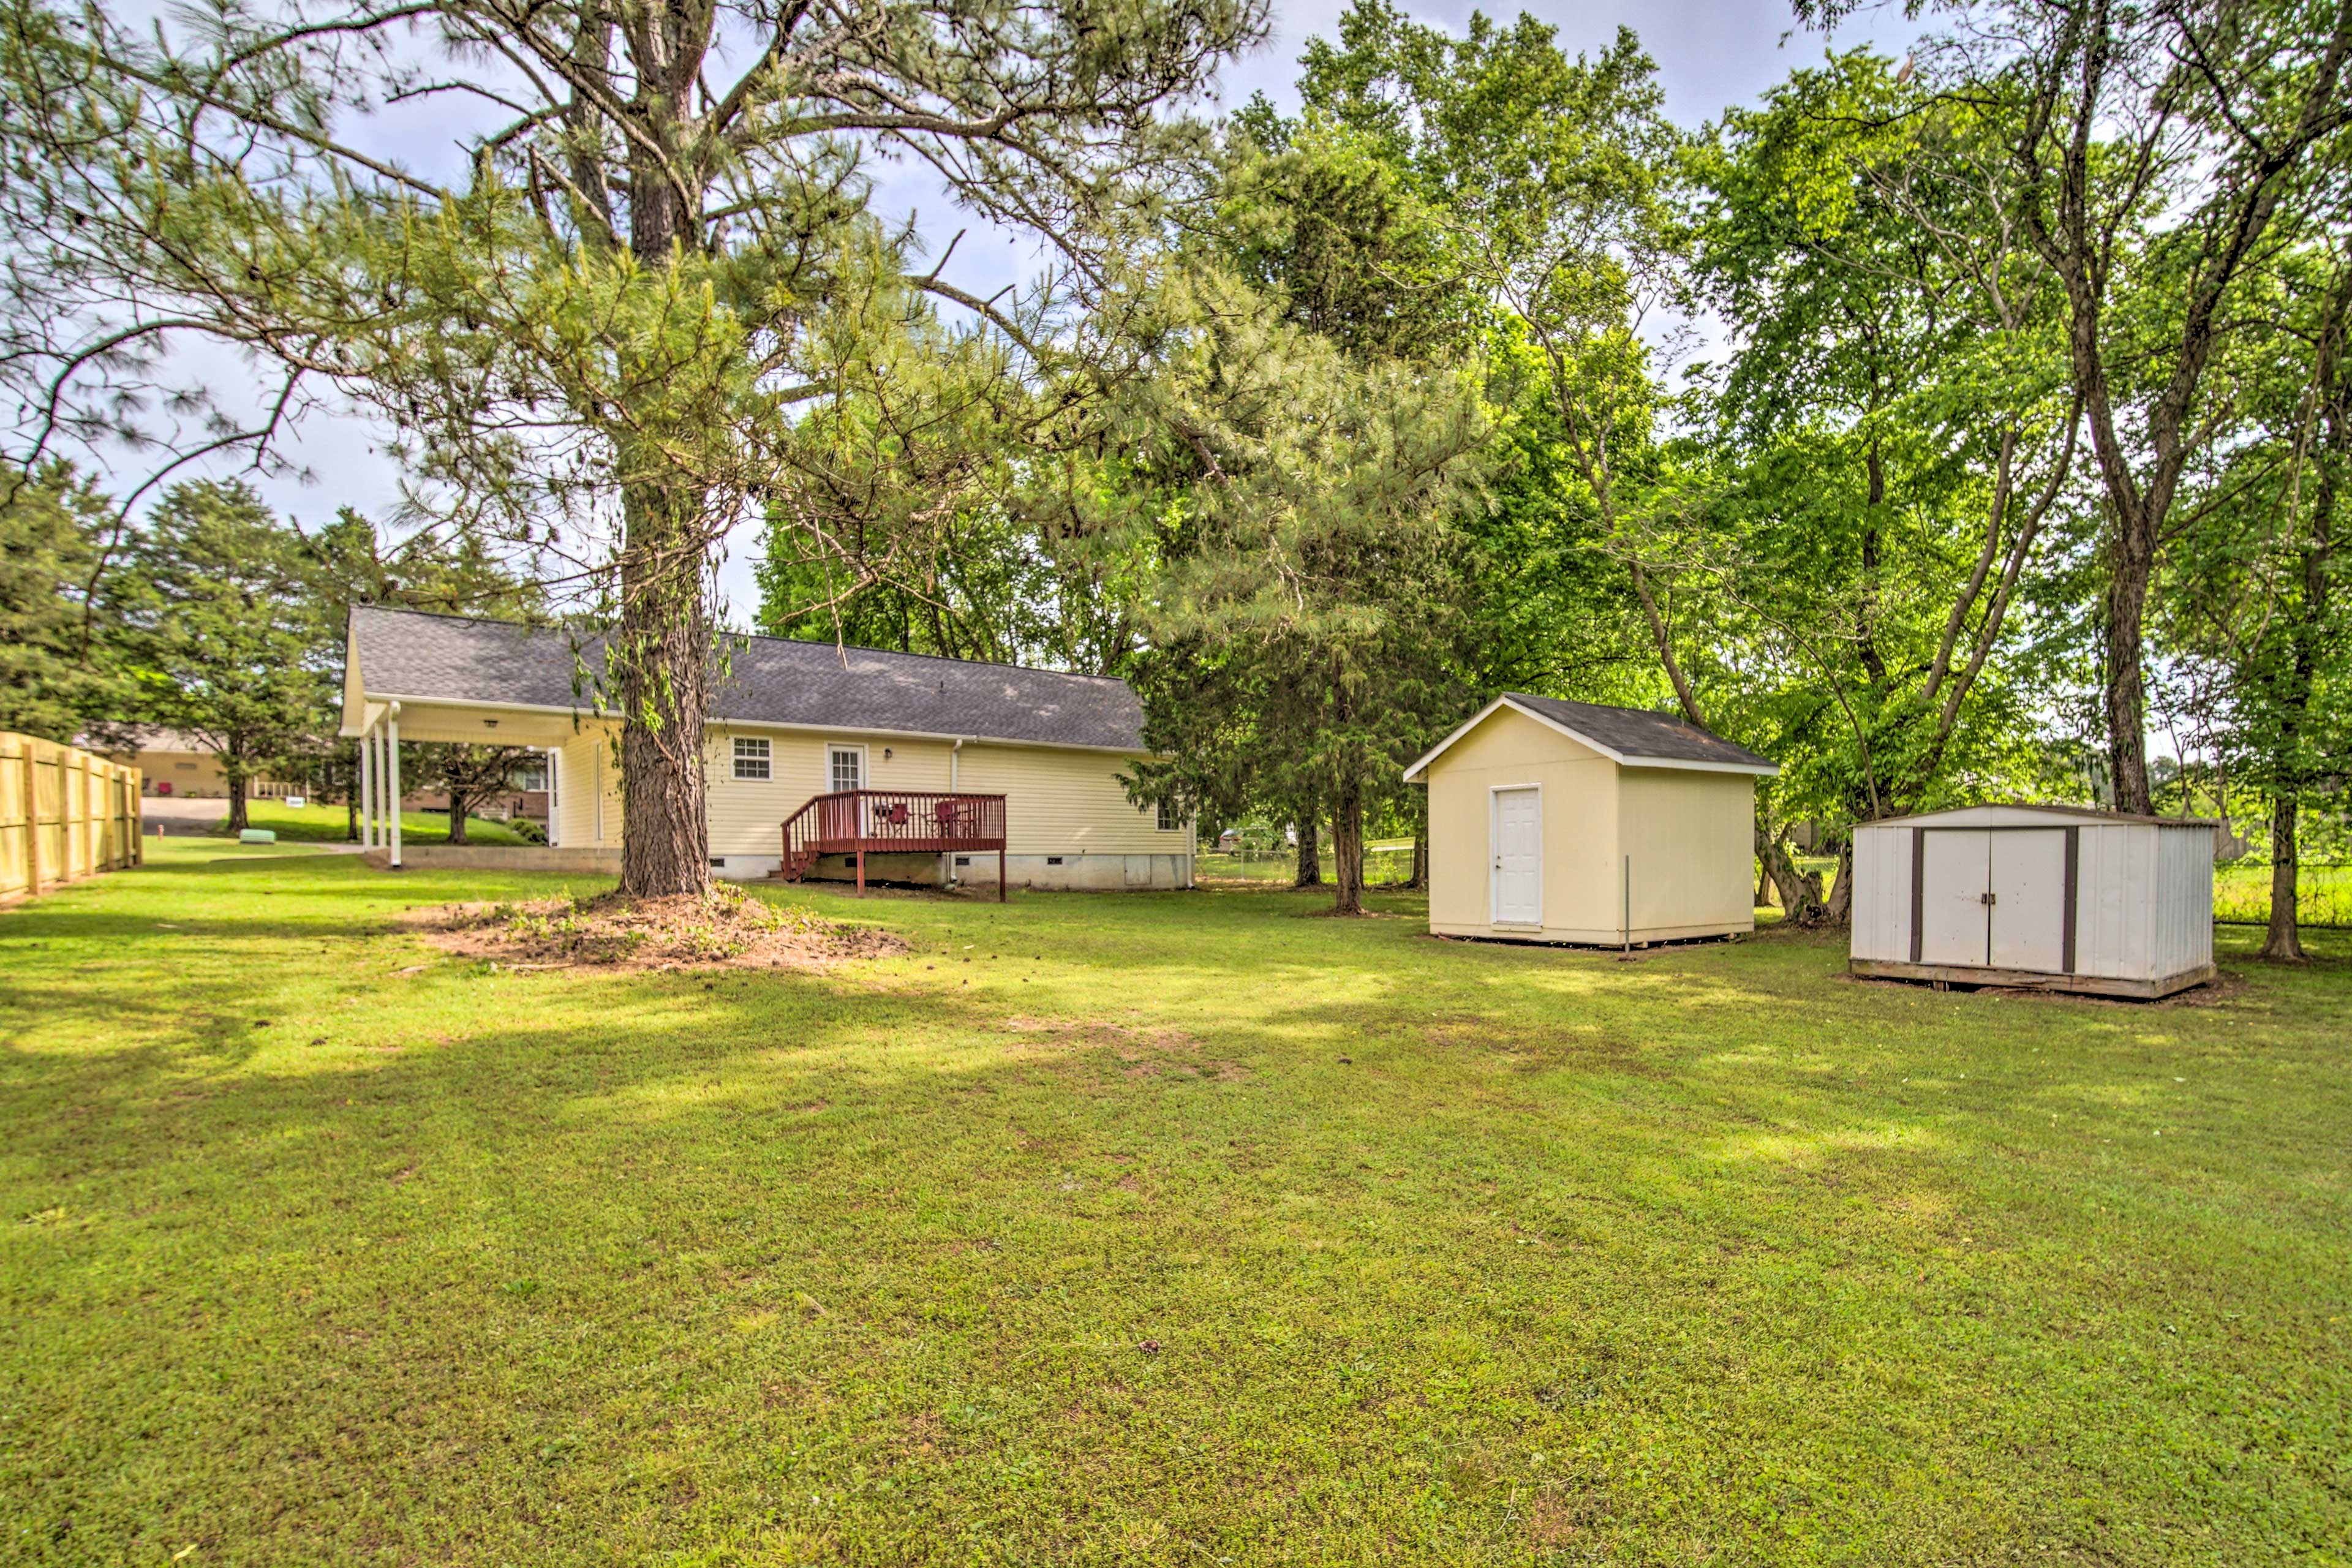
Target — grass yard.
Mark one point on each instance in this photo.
(2323, 894)
(328, 824)
(1186, 1229)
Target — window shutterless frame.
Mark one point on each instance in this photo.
(754, 758)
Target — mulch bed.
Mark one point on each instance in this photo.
(729, 928)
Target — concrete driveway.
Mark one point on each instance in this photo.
(181, 816)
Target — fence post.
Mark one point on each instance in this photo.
(32, 820)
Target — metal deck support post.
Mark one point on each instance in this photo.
(1000, 877)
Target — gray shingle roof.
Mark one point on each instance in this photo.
(407, 653)
(1638, 732)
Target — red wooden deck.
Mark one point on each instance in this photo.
(863, 822)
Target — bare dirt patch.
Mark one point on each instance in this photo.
(729, 929)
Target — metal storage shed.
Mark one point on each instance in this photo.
(2057, 897)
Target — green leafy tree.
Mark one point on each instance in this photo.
(1299, 624)
(349, 563)
(469, 776)
(2144, 156)
(2252, 612)
(1888, 441)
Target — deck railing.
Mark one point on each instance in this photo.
(861, 822)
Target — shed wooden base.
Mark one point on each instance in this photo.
(2030, 980)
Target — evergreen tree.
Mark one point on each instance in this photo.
(58, 678)
(221, 632)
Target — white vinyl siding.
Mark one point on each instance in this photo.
(747, 817)
(1058, 802)
(588, 798)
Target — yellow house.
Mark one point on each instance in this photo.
(1571, 822)
(171, 763)
(916, 760)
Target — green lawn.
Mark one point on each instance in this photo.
(320, 1248)
(1382, 863)
(328, 824)
(2323, 894)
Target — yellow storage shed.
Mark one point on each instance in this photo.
(1572, 822)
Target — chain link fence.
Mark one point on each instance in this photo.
(1386, 866)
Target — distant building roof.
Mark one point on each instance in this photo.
(132, 738)
(772, 680)
(1634, 737)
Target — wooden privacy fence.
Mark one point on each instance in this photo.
(64, 813)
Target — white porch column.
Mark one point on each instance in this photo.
(367, 789)
(554, 795)
(392, 775)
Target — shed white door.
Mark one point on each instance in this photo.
(1994, 899)
(1518, 845)
(2028, 881)
(1955, 874)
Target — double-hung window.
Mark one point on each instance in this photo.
(752, 758)
(1171, 819)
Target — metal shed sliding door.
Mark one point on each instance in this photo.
(1993, 897)
(2030, 900)
(1949, 882)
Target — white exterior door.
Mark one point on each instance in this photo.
(1955, 875)
(2028, 882)
(1517, 843)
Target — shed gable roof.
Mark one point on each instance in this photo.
(409, 654)
(1630, 737)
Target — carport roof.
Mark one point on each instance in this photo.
(409, 655)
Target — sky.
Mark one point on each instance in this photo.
(1711, 55)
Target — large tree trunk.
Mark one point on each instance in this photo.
(457, 816)
(1798, 903)
(1840, 910)
(2133, 561)
(233, 774)
(2283, 940)
(1310, 854)
(351, 800)
(663, 649)
(1348, 849)
(1420, 883)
